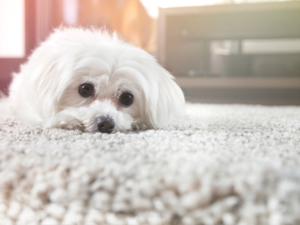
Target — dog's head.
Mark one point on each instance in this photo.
(105, 83)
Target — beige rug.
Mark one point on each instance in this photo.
(223, 165)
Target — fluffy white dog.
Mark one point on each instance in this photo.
(93, 81)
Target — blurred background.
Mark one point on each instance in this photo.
(221, 51)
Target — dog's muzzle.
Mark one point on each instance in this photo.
(105, 124)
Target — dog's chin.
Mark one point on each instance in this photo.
(100, 116)
(87, 120)
(122, 123)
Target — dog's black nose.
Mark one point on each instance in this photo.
(105, 124)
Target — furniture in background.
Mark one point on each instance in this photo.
(234, 48)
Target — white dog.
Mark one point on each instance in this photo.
(94, 81)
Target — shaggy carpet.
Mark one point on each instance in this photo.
(223, 164)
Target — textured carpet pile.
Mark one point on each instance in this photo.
(222, 165)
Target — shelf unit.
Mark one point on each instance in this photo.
(184, 34)
(239, 82)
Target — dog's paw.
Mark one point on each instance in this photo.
(70, 125)
(64, 122)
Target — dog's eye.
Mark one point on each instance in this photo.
(86, 90)
(126, 99)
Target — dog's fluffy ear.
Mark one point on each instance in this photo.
(40, 83)
(166, 103)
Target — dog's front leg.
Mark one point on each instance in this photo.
(64, 120)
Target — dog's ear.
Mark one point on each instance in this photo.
(167, 102)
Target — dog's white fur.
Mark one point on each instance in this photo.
(46, 89)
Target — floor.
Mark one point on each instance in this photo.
(221, 164)
(243, 96)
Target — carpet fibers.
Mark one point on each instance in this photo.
(222, 165)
